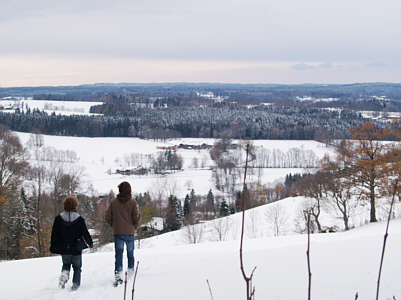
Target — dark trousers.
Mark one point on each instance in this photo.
(76, 262)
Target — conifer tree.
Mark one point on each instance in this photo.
(187, 210)
(210, 203)
(224, 211)
(240, 197)
(174, 214)
(192, 198)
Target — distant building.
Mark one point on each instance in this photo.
(194, 147)
(134, 171)
(123, 172)
(154, 227)
(166, 147)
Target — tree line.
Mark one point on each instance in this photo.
(259, 122)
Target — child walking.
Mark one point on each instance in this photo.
(69, 237)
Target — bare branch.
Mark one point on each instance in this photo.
(250, 293)
(385, 239)
(210, 290)
(125, 284)
(133, 285)
(308, 258)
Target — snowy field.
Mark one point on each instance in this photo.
(50, 106)
(342, 264)
(101, 157)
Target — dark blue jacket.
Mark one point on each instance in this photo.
(69, 234)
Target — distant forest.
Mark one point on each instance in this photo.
(259, 122)
(156, 111)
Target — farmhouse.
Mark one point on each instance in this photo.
(154, 227)
(134, 171)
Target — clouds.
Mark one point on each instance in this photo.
(254, 30)
(326, 65)
(306, 34)
(377, 65)
(302, 66)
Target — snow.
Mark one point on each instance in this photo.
(100, 156)
(50, 106)
(155, 223)
(342, 264)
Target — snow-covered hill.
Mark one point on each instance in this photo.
(342, 264)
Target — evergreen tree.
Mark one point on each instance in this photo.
(210, 203)
(187, 211)
(238, 202)
(180, 214)
(16, 222)
(192, 197)
(174, 214)
(224, 211)
(187, 208)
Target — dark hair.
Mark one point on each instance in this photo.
(70, 203)
(124, 188)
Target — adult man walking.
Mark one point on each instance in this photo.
(124, 217)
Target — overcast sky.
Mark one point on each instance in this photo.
(48, 42)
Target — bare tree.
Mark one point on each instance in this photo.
(253, 223)
(221, 227)
(66, 179)
(366, 161)
(189, 184)
(195, 163)
(36, 139)
(193, 234)
(313, 186)
(172, 186)
(158, 193)
(276, 217)
(40, 175)
(303, 221)
(204, 161)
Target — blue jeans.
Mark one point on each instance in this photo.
(76, 262)
(119, 240)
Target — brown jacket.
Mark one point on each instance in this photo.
(123, 216)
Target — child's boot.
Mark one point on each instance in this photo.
(63, 279)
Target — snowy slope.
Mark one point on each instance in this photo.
(342, 264)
